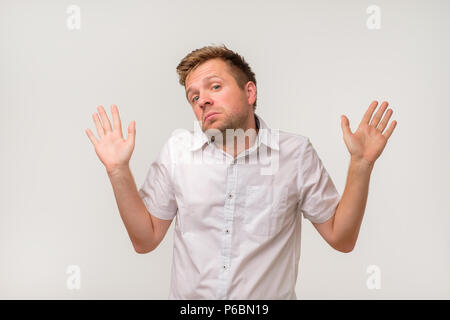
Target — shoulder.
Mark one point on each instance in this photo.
(289, 140)
(180, 138)
(178, 145)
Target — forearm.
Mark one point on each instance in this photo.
(132, 210)
(350, 211)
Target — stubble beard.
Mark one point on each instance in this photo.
(228, 122)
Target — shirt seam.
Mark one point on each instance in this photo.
(300, 171)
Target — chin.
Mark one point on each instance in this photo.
(213, 125)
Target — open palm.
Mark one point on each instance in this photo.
(368, 141)
(112, 149)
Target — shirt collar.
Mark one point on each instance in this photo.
(266, 135)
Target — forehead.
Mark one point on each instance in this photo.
(216, 67)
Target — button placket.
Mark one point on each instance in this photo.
(227, 235)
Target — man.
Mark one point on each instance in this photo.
(237, 232)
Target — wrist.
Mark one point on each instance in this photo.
(117, 170)
(361, 163)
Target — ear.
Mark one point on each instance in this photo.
(250, 90)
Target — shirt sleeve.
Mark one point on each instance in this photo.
(157, 190)
(318, 195)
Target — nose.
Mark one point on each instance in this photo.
(205, 99)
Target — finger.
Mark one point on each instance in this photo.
(345, 125)
(131, 132)
(389, 131)
(105, 121)
(369, 112)
(385, 120)
(91, 136)
(116, 119)
(98, 125)
(379, 114)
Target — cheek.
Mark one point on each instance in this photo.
(230, 99)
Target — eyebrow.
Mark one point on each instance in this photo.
(204, 80)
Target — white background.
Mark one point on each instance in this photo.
(313, 60)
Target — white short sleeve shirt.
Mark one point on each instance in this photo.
(238, 221)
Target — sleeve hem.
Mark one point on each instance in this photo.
(164, 215)
(322, 218)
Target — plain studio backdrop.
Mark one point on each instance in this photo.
(313, 60)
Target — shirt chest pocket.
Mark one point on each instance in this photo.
(265, 209)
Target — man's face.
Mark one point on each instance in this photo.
(211, 88)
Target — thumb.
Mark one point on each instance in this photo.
(131, 132)
(345, 125)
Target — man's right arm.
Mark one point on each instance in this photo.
(133, 212)
(145, 231)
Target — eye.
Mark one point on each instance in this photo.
(217, 85)
(193, 100)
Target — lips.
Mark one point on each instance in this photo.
(209, 114)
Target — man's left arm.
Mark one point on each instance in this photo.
(350, 210)
(365, 146)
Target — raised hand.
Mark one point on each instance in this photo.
(114, 152)
(368, 141)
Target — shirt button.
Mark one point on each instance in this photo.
(230, 196)
(227, 231)
(224, 267)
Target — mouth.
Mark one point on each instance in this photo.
(210, 115)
